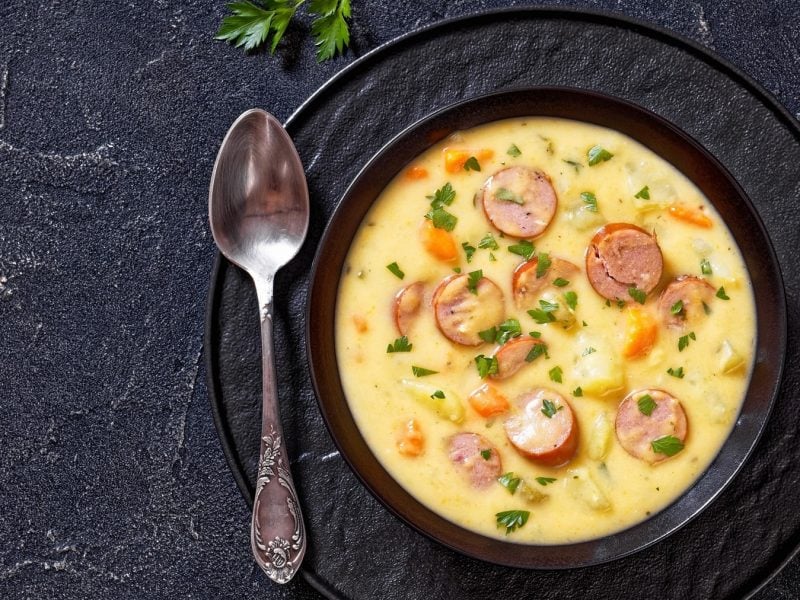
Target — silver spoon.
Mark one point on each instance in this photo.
(258, 208)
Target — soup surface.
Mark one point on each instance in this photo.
(544, 331)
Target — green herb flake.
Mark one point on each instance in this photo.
(469, 250)
(574, 164)
(536, 352)
(683, 341)
(571, 298)
(669, 445)
(639, 295)
(512, 519)
(721, 294)
(524, 249)
(676, 372)
(536, 334)
(442, 219)
(555, 374)
(706, 308)
(488, 242)
(509, 481)
(487, 365)
(508, 329)
(577, 392)
(488, 335)
(590, 200)
(549, 409)
(399, 345)
(676, 308)
(542, 264)
(545, 480)
(705, 267)
(457, 269)
(544, 314)
(474, 278)
(646, 405)
(598, 154)
(643, 193)
(396, 271)
(472, 164)
(422, 372)
(588, 351)
(560, 282)
(514, 151)
(486, 453)
(444, 196)
(491, 257)
(509, 196)
(438, 394)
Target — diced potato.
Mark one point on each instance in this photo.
(600, 437)
(598, 370)
(450, 407)
(729, 359)
(584, 488)
(582, 218)
(530, 493)
(701, 247)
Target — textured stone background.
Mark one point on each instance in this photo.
(113, 482)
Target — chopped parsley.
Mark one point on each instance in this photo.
(474, 278)
(598, 154)
(542, 264)
(508, 329)
(512, 519)
(577, 392)
(509, 481)
(549, 408)
(489, 242)
(646, 405)
(486, 453)
(571, 299)
(399, 345)
(706, 308)
(677, 308)
(488, 335)
(524, 249)
(676, 372)
(536, 334)
(588, 351)
(514, 151)
(422, 372)
(639, 295)
(438, 394)
(487, 365)
(469, 250)
(683, 341)
(444, 196)
(544, 314)
(560, 282)
(590, 200)
(643, 193)
(555, 374)
(472, 164)
(536, 352)
(442, 219)
(508, 196)
(545, 480)
(575, 165)
(669, 445)
(396, 271)
(705, 267)
(721, 294)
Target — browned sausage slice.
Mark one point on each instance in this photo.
(462, 314)
(636, 430)
(549, 440)
(406, 306)
(528, 287)
(693, 293)
(621, 256)
(511, 356)
(481, 470)
(519, 201)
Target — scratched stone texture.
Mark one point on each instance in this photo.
(112, 480)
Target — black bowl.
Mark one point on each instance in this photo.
(667, 141)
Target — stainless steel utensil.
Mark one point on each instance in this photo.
(258, 209)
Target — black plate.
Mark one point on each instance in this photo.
(748, 532)
(663, 139)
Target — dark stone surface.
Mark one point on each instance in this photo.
(113, 482)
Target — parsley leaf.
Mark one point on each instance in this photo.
(514, 151)
(444, 196)
(524, 249)
(399, 345)
(669, 445)
(676, 372)
(676, 308)
(469, 250)
(643, 193)
(474, 278)
(598, 154)
(577, 392)
(442, 219)
(508, 196)
(536, 352)
(472, 164)
(560, 282)
(486, 453)
(639, 295)
(646, 405)
(438, 394)
(488, 335)
(591, 201)
(555, 374)
(588, 351)
(508, 329)
(705, 267)
(575, 165)
(542, 264)
(489, 242)
(512, 519)
(545, 480)
(395, 269)
(544, 314)
(487, 365)
(683, 341)
(422, 372)
(509, 481)
(571, 299)
(251, 24)
(329, 27)
(549, 408)
(721, 294)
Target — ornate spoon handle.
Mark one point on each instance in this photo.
(278, 536)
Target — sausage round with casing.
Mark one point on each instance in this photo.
(461, 313)
(544, 432)
(636, 431)
(476, 458)
(519, 201)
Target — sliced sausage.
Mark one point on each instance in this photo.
(464, 450)
(621, 256)
(406, 306)
(693, 292)
(528, 287)
(462, 314)
(549, 440)
(636, 431)
(519, 201)
(511, 356)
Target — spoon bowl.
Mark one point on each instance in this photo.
(258, 210)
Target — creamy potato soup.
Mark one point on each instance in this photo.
(544, 331)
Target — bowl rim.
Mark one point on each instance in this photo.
(544, 556)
